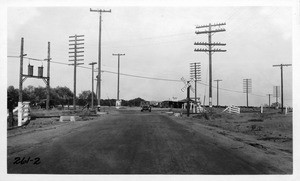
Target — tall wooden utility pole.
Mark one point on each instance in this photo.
(247, 87)
(281, 68)
(218, 80)
(21, 71)
(118, 91)
(210, 45)
(100, 11)
(195, 73)
(75, 54)
(92, 103)
(48, 78)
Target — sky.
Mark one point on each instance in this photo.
(158, 42)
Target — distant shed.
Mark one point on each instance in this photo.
(172, 104)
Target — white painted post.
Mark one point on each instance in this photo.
(20, 113)
(261, 109)
(286, 110)
(194, 108)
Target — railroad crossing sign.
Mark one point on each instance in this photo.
(187, 84)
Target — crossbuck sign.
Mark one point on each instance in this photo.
(187, 84)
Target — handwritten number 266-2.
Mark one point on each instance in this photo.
(22, 161)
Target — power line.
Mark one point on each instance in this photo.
(142, 77)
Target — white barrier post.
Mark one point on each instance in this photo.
(20, 113)
(261, 109)
(286, 110)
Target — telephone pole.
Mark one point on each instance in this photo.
(276, 92)
(218, 80)
(92, 103)
(195, 73)
(210, 45)
(247, 85)
(269, 99)
(100, 11)
(21, 70)
(281, 68)
(48, 78)
(118, 91)
(76, 53)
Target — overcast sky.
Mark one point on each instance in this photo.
(158, 43)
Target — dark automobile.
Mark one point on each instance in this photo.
(145, 106)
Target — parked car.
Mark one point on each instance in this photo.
(145, 106)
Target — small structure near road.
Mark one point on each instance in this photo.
(171, 104)
(233, 109)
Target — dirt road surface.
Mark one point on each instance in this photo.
(131, 142)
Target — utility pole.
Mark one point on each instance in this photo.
(276, 92)
(281, 68)
(100, 11)
(92, 104)
(195, 73)
(218, 80)
(188, 99)
(48, 78)
(21, 70)
(269, 99)
(210, 45)
(74, 55)
(118, 91)
(247, 85)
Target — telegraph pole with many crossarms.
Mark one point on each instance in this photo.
(195, 73)
(247, 88)
(210, 49)
(75, 53)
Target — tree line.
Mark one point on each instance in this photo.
(61, 96)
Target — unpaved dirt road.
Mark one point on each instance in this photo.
(130, 142)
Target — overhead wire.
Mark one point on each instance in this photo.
(155, 43)
(136, 76)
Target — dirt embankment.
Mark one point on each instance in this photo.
(271, 127)
(266, 136)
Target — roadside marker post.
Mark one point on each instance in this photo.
(261, 109)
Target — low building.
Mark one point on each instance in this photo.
(172, 104)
